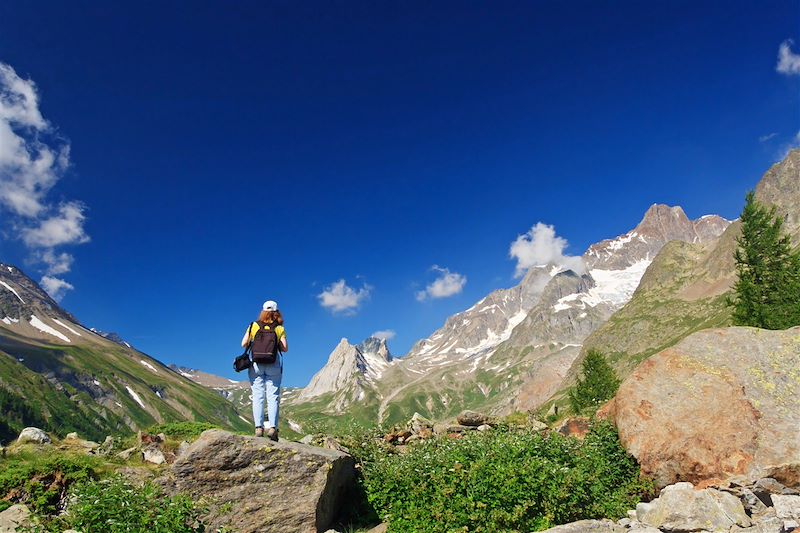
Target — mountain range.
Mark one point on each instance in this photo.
(516, 349)
(520, 348)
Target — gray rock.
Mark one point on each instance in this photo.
(786, 507)
(154, 455)
(247, 471)
(380, 528)
(770, 525)
(15, 518)
(127, 454)
(484, 427)
(182, 447)
(681, 508)
(308, 439)
(107, 446)
(764, 489)
(472, 419)
(537, 425)
(33, 435)
(583, 526)
(72, 435)
(418, 423)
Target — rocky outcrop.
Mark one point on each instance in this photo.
(723, 404)
(780, 187)
(33, 436)
(255, 484)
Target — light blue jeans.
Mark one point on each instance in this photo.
(266, 380)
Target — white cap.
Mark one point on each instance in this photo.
(270, 305)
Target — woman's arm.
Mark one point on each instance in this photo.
(246, 338)
(284, 344)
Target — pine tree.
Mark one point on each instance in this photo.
(767, 293)
(599, 383)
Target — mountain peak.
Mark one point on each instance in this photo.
(780, 187)
(376, 346)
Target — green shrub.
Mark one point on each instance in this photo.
(500, 480)
(42, 481)
(114, 505)
(181, 430)
(599, 383)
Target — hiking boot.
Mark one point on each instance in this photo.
(272, 434)
(259, 432)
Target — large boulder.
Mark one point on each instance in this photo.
(680, 508)
(255, 484)
(723, 404)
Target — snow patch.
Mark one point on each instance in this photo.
(244, 419)
(57, 321)
(96, 382)
(614, 287)
(186, 375)
(7, 286)
(158, 393)
(148, 365)
(233, 381)
(41, 326)
(134, 396)
(8, 320)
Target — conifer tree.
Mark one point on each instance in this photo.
(767, 293)
(599, 383)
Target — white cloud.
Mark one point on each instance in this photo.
(55, 287)
(385, 334)
(767, 137)
(788, 61)
(340, 298)
(541, 246)
(56, 263)
(446, 285)
(65, 227)
(33, 158)
(29, 165)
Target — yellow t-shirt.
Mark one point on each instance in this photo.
(280, 332)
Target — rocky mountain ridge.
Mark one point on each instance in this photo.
(526, 335)
(78, 380)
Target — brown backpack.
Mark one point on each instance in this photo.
(265, 347)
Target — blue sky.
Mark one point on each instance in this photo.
(223, 154)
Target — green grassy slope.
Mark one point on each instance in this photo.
(85, 388)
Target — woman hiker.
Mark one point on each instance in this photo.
(267, 339)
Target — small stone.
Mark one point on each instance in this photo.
(418, 423)
(625, 522)
(71, 436)
(786, 507)
(632, 514)
(790, 525)
(472, 418)
(182, 447)
(127, 454)
(380, 528)
(764, 488)
(425, 433)
(484, 427)
(536, 425)
(308, 439)
(155, 456)
(33, 435)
